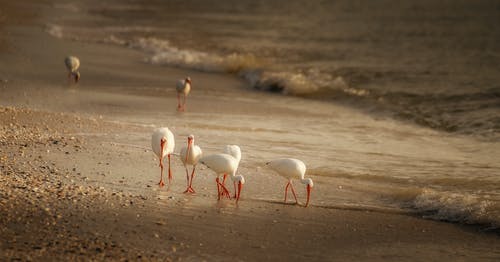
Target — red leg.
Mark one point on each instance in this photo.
(224, 180)
(234, 183)
(191, 181)
(184, 103)
(178, 102)
(286, 190)
(187, 180)
(218, 188)
(294, 195)
(223, 191)
(169, 171)
(161, 183)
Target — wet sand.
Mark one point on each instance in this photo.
(78, 181)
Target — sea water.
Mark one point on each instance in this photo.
(419, 78)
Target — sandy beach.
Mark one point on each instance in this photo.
(78, 180)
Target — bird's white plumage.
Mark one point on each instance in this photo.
(234, 151)
(194, 155)
(289, 168)
(72, 63)
(292, 168)
(221, 163)
(183, 86)
(158, 134)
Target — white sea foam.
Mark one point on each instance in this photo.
(300, 83)
(255, 71)
(456, 207)
(162, 52)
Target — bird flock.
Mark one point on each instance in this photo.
(223, 164)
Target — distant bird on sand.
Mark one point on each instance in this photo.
(291, 168)
(72, 64)
(224, 164)
(190, 155)
(183, 87)
(163, 144)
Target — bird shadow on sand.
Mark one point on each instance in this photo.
(276, 202)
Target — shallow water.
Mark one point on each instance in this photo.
(432, 63)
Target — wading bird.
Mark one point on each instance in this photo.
(234, 151)
(163, 144)
(190, 155)
(224, 164)
(72, 64)
(183, 87)
(291, 168)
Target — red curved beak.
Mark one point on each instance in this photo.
(240, 186)
(163, 143)
(308, 194)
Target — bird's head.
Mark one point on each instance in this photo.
(190, 139)
(190, 143)
(188, 80)
(309, 182)
(163, 141)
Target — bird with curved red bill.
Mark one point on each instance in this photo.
(163, 144)
(224, 164)
(234, 151)
(290, 169)
(190, 154)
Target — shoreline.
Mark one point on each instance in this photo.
(79, 182)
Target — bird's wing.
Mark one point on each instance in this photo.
(180, 85)
(233, 150)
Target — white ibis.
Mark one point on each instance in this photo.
(291, 168)
(72, 64)
(190, 155)
(163, 144)
(224, 164)
(234, 151)
(183, 87)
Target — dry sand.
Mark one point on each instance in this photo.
(77, 182)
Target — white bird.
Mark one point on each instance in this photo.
(183, 87)
(224, 164)
(190, 155)
(72, 64)
(163, 144)
(234, 151)
(291, 168)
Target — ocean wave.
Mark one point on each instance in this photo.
(467, 113)
(257, 72)
(461, 208)
(294, 83)
(162, 52)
